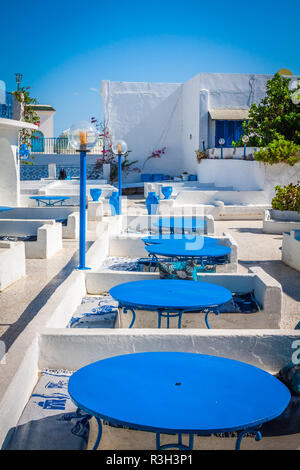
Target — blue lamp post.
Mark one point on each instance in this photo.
(119, 148)
(83, 137)
(222, 142)
(245, 139)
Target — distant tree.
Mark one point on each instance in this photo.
(274, 124)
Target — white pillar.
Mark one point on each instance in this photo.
(106, 172)
(52, 170)
(9, 167)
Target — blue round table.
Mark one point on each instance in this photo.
(178, 249)
(178, 393)
(170, 298)
(5, 208)
(194, 224)
(50, 201)
(165, 238)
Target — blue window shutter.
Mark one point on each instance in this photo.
(220, 132)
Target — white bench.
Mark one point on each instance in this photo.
(48, 233)
(69, 230)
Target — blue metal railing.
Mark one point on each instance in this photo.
(6, 108)
(58, 145)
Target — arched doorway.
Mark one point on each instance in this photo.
(37, 142)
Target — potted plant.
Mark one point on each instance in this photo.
(286, 203)
(185, 175)
(200, 155)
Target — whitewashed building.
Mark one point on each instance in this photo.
(183, 117)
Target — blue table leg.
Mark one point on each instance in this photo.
(166, 314)
(178, 445)
(256, 432)
(99, 435)
(216, 312)
(125, 310)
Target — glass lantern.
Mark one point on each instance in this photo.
(83, 136)
(119, 147)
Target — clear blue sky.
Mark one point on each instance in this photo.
(64, 49)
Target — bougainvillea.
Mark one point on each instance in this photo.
(108, 156)
(156, 154)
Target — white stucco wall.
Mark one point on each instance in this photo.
(147, 116)
(46, 122)
(9, 170)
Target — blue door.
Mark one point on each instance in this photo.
(37, 142)
(228, 130)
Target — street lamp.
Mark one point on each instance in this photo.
(19, 77)
(83, 137)
(221, 142)
(119, 148)
(245, 139)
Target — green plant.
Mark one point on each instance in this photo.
(287, 197)
(30, 115)
(275, 115)
(279, 150)
(23, 96)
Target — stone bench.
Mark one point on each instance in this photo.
(66, 215)
(48, 235)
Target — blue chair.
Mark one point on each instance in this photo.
(95, 193)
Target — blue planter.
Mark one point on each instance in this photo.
(95, 193)
(114, 203)
(158, 177)
(145, 177)
(167, 191)
(152, 203)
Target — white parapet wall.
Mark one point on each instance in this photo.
(70, 214)
(277, 222)
(218, 210)
(291, 249)
(147, 223)
(12, 263)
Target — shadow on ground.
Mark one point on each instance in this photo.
(12, 333)
(288, 277)
(247, 230)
